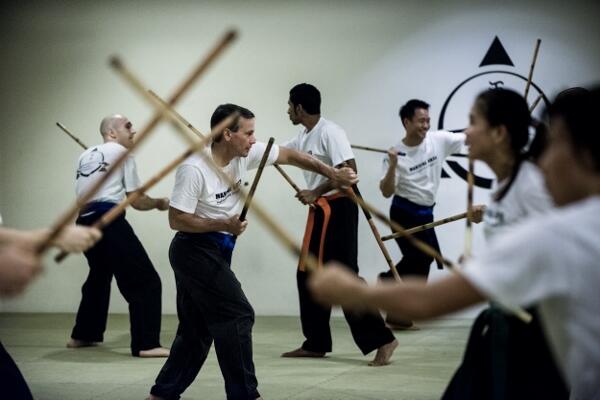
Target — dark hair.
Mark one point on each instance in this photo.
(307, 96)
(225, 110)
(506, 107)
(538, 142)
(408, 110)
(578, 109)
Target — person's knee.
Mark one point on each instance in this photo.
(247, 316)
(250, 315)
(153, 284)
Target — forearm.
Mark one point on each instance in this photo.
(145, 202)
(191, 223)
(323, 188)
(304, 161)
(415, 300)
(8, 235)
(388, 184)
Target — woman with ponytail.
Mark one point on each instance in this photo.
(505, 357)
(499, 135)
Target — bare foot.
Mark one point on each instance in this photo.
(300, 352)
(155, 352)
(384, 353)
(153, 397)
(75, 343)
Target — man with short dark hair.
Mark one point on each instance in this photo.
(331, 231)
(412, 173)
(120, 253)
(211, 304)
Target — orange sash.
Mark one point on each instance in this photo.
(323, 203)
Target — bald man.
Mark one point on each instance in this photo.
(119, 253)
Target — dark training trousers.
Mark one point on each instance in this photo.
(12, 383)
(414, 261)
(506, 358)
(211, 306)
(340, 244)
(119, 253)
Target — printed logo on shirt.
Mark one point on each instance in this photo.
(423, 164)
(494, 217)
(92, 162)
(221, 197)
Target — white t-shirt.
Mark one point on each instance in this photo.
(94, 162)
(419, 168)
(527, 197)
(554, 262)
(199, 190)
(328, 143)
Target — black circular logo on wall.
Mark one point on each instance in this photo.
(453, 113)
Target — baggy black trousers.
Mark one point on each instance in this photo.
(120, 254)
(368, 330)
(211, 306)
(12, 383)
(413, 262)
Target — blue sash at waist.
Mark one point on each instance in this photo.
(411, 207)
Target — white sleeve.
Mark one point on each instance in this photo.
(188, 188)
(291, 144)
(131, 180)
(338, 146)
(453, 142)
(256, 153)
(523, 267)
(534, 197)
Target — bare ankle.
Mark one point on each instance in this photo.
(155, 352)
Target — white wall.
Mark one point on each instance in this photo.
(366, 57)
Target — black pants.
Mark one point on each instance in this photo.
(506, 358)
(368, 330)
(211, 306)
(413, 261)
(12, 383)
(119, 253)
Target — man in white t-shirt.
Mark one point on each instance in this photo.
(211, 304)
(549, 262)
(119, 253)
(412, 171)
(331, 231)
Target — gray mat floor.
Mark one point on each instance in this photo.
(421, 367)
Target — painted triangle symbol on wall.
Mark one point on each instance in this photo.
(496, 55)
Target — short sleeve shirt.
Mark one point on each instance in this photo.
(95, 162)
(328, 143)
(527, 197)
(553, 262)
(199, 190)
(419, 168)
